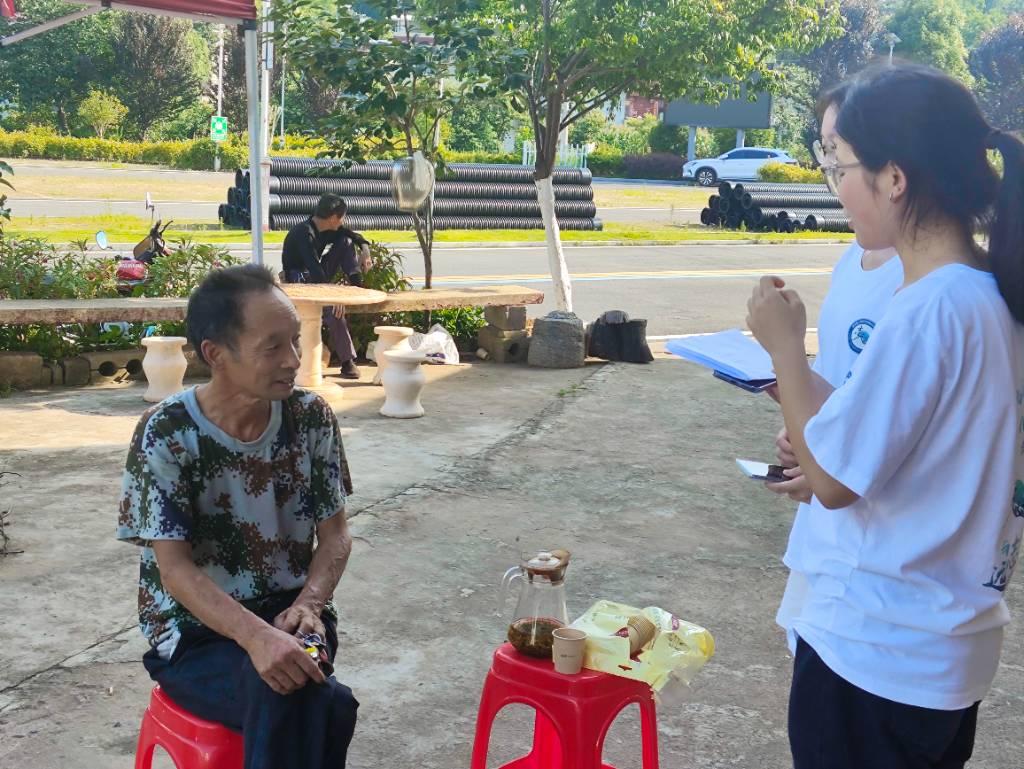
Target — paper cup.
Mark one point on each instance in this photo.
(641, 632)
(567, 650)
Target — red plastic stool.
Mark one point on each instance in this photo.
(191, 742)
(574, 713)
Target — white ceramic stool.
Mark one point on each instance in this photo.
(403, 380)
(387, 337)
(164, 365)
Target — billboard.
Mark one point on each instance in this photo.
(730, 113)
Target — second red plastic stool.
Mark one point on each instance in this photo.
(574, 713)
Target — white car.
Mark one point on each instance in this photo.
(739, 164)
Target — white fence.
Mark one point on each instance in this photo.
(571, 155)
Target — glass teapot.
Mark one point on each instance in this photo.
(541, 607)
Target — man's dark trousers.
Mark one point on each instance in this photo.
(213, 678)
(341, 258)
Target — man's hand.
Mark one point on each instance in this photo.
(365, 261)
(784, 450)
(798, 489)
(339, 311)
(281, 661)
(300, 618)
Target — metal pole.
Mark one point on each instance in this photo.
(220, 88)
(691, 144)
(267, 70)
(46, 26)
(284, 61)
(252, 82)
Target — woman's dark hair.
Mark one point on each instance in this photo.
(931, 127)
(330, 205)
(834, 95)
(215, 308)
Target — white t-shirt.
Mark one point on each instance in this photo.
(856, 300)
(906, 585)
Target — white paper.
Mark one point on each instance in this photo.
(731, 352)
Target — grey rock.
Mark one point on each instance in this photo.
(559, 341)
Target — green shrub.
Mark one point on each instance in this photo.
(178, 273)
(606, 161)
(655, 165)
(669, 138)
(482, 157)
(36, 269)
(193, 154)
(784, 173)
(462, 323)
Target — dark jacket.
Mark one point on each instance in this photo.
(304, 246)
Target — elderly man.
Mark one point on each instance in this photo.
(226, 486)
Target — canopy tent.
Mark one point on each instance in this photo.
(233, 12)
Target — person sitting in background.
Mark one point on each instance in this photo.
(304, 261)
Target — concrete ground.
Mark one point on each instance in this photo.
(629, 467)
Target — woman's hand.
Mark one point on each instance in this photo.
(776, 315)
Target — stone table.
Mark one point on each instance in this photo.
(309, 300)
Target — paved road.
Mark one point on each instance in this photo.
(679, 289)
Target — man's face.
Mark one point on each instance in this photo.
(264, 358)
(336, 222)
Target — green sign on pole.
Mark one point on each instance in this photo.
(219, 128)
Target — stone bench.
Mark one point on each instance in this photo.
(504, 338)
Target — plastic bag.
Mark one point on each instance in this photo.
(677, 654)
(437, 344)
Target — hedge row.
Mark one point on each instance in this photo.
(195, 154)
(655, 165)
(786, 174)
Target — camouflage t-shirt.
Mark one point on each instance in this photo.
(249, 509)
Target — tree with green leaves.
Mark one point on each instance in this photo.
(931, 32)
(841, 56)
(52, 72)
(576, 55)
(161, 63)
(479, 126)
(394, 89)
(998, 66)
(101, 111)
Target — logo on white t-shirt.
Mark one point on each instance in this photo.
(1003, 572)
(859, 334)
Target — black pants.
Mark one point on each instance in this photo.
(836, 725)
(213, 678)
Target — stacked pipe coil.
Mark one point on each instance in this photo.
(404, 222)
(769, 207)
(304, 204)
(472, 196)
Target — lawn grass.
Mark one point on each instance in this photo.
(116, 187)
(130, 229)
(651, 196)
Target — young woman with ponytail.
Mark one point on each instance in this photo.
(915, 462)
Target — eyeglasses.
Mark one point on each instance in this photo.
(834, 172)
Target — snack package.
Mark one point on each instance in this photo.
(677, 653)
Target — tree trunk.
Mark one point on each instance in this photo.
(423, 223)
(556, 257)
